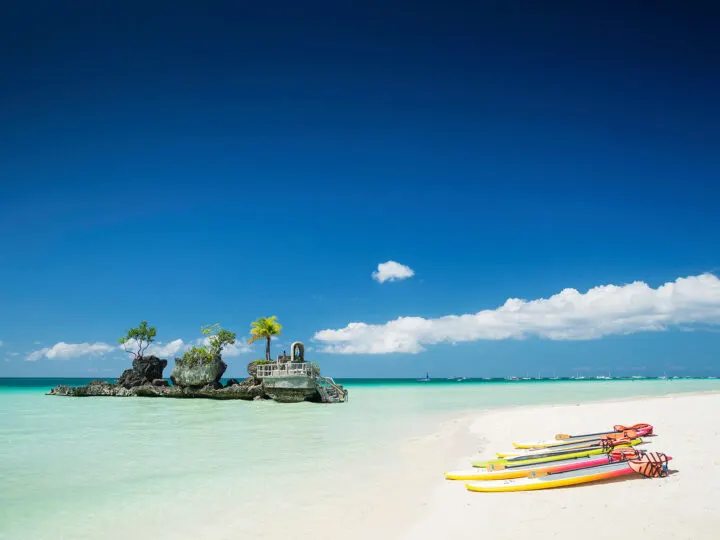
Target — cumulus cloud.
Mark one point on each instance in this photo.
(568, 315)
(159, 348)
(167, 349)
(34, 356)
(392, 271)
(64, 351)
(238, 348)
(230, 351)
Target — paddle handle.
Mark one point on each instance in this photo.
(563, 436)
(646, 428)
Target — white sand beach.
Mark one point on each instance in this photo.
(684, 505)
(404, 495)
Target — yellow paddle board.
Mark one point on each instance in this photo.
(553, 480)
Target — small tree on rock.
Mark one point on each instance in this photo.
(137, 340)
(218, 338)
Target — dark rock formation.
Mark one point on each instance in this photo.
(244, 390)
(130, 378)
(253, 387)
(145, 370)
(293, 395)
(151, 367)
(248, 390)
(93, 388)
(197, 372)
(195, 378)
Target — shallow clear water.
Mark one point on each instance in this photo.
(80, 468)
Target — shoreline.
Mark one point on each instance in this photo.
(652, 507)
(596, 401)
(416, 502)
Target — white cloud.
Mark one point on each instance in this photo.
(230, 351)
(240, 347)
(13, 354)
(167, 349)
(36, 355)
(159, 349)
(392, 271)
(64, 350)
(162, 350)
(568, 315)
(2, 343)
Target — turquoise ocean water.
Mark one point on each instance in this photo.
(77, 468)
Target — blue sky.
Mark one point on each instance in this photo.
(193, 164)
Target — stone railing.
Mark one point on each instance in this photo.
(284, 370)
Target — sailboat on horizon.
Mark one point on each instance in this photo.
(426, 379)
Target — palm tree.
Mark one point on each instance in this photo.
(265, 327)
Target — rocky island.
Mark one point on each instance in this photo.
(198, 373)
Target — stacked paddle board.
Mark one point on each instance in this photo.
(566, 460)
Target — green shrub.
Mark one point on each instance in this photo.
(197, 356)
(217, 339)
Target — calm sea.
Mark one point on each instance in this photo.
(111, 468)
